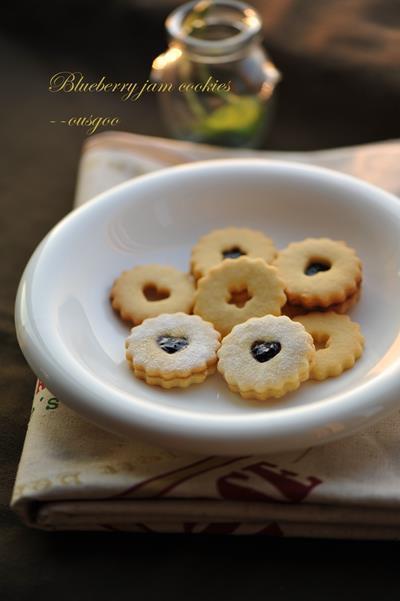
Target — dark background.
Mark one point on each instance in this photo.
(340, 60)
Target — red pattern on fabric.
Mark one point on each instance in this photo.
(204, 466)
(39, 386)
(221, 528)
(142, 483)
(235, 485)
(200, 472)
(211, 528)
(271, 529)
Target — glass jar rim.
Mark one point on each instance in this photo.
(175, 27)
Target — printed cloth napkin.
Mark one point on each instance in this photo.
(75, 476)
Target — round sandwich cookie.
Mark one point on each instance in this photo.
(266, 357)
(149, 290)
(229, 243)
(341, 308)
(319, 272)
(236, 290)
(173, 350)
(338, 341)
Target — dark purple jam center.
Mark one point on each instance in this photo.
(172, 344)
(264, 351)
(315, 268)
(233, 253)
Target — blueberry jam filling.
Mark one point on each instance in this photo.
(263, 351)
(232, 253)
(315, 267)
(172, 344)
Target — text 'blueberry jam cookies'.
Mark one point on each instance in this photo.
(338, 341)
(173, 350)
(319, 272)
(266, 357)
(148, 290)
(236, 290)
(229, 243)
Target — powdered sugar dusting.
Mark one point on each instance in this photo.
(202, 338)
(240, 367)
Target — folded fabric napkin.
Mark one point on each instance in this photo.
(72, 475)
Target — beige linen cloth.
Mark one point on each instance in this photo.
(74, 476)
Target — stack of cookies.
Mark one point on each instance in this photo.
(173, 350)
(280, 314)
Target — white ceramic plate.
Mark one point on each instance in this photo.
(75, 342)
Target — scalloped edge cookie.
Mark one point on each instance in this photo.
(342, 337)
(324, 288)
(190, 365)
(235, 275)
(128, 297)
(275, 377)
(209, 250)
(341, 308)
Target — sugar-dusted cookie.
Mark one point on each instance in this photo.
(229, 243)
(318, 272)
(173, 350)
(266, 357)
(148, 290)
(338, 341)
(341, 308)
(236, 290)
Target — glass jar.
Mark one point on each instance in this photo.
(215, 81)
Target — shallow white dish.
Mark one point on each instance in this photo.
(74, 341)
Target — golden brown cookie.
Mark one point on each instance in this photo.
(338, 341)
(236, 290)
(173, 350)
(229, 243)
(266, 357)
(148, 290)
(318, 272)
(341, 308)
